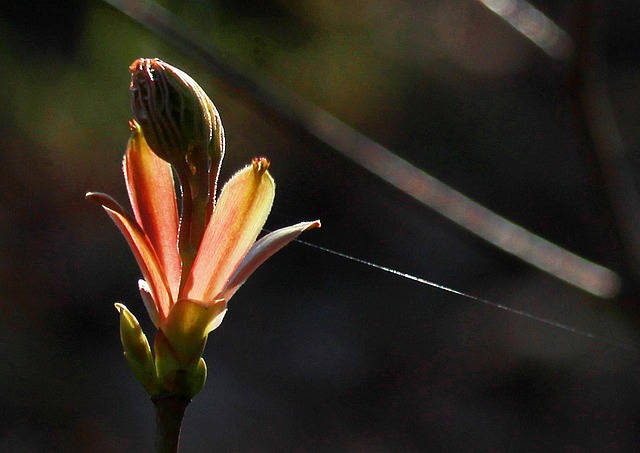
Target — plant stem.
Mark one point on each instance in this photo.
(193, 218)
(169, 414)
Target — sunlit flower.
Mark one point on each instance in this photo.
(189, 276)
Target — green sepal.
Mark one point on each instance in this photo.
(188, 325)
(137, 351)
(179, 375)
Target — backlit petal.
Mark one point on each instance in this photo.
(153, 198)
(261, 251)
(240, 213)
(142, 250)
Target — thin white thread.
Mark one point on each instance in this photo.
(525, 314)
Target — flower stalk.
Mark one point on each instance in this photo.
(192, 259)
(169, 415)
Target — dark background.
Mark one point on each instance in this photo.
(319, 353)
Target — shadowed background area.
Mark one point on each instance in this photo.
(317, 352)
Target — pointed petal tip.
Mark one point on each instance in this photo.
(94, 196)
(120, 307)
(105, 201)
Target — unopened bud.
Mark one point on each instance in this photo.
(137, 351)
(177, 118)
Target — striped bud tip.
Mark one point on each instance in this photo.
(175, 114)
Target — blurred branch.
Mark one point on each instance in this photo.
(534, 26)
(587, 86)
(380, 161)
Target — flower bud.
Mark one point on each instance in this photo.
(177, 118)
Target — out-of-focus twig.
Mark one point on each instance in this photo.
(380, 161)
(533, 25)
(587, 72)
(587, 83)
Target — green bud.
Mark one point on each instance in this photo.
(178, 120)
(137, 351)
(198, 378)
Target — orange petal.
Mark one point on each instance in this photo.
(142, 250)
(261, 251)
(153, 198)
(240, 213)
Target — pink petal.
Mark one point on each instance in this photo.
(262, 251)
(153, 198)
(142, 250)
(240, 213)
